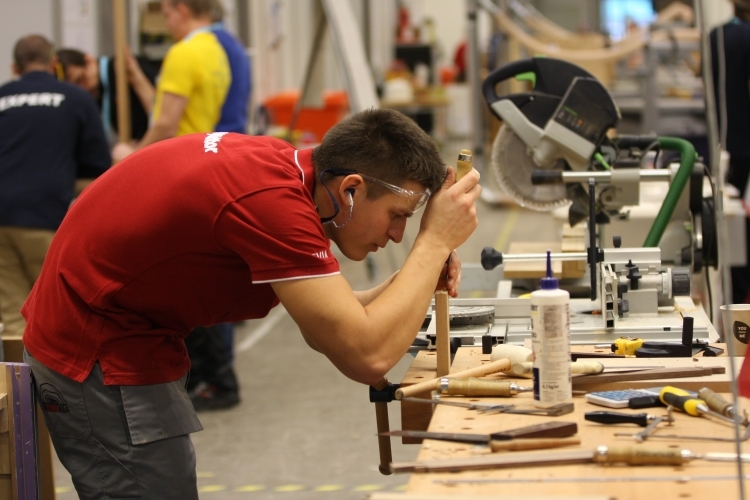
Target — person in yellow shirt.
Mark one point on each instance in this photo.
(194, 79)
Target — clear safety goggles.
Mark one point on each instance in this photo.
(418, 198)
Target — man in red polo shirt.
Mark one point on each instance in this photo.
(215, 228)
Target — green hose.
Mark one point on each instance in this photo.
(687, 159)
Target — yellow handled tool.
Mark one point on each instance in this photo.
(626, 346)
(683, 401)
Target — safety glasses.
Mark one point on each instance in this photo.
(418, 198)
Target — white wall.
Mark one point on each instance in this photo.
(17, 19)
(717, 12)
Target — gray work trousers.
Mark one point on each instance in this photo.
(120, 442)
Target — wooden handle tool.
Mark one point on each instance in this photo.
(384, 442)
(442, 326)
(500, 365)
(477, 387)
(533, 444)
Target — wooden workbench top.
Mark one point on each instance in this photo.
(574, 480)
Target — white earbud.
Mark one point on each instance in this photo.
(351, 200)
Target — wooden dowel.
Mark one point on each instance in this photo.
(500, 365)
(120, 23)
(442, 334)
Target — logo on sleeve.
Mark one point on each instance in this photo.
(52, 400)
(211, 142)
(321, 255)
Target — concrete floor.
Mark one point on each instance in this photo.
(303, 430)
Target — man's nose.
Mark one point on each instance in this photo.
(396, 231)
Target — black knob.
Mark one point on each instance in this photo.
(622, 288)
(617, 241)
(634, 275)
(680, 281)
(491, 258)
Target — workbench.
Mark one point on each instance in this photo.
(580, 480)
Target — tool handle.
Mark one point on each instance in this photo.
(682, 400)
(499, 365)
(636, 455)
(463, 165)
(384, 442)
(533, 444)
(478, 387)
(614, 417)
(716, 402)
(586, 367)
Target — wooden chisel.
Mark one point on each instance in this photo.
(543, 430)
(442, 318)
(633, 455)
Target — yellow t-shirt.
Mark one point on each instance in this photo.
(197, 68)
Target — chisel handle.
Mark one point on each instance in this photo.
(716, 402)
(384, 442)
(463, 165)
(477, 387)
(533, 444)
(614, 417)
(636, 455)
(499, 365)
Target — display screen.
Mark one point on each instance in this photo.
(620, 15)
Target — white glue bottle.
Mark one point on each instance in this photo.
(550, 342)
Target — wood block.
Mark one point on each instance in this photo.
(13, 348)
(536, 269)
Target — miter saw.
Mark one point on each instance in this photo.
(554, 146)
(553, 150)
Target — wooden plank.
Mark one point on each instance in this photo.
(535, 481)
(426, 496)
(532, 269)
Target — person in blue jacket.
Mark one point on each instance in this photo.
(50, 135)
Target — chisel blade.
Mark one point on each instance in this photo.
(543, 430)
(441, 436)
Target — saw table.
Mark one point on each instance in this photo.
(695, 479)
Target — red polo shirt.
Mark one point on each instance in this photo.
(187, 232)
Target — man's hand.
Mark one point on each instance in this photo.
(450, 276)
(451, 216)
(120, 151)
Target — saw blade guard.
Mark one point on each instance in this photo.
(557, 125)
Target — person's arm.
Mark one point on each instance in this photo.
(165, 126)
(365, 341)
(141, 85)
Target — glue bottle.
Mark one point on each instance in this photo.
(550, 342)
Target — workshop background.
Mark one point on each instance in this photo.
(302, 430)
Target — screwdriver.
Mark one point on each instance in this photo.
(717, 403)
(615, 417)
(683, 401)
(477, 387)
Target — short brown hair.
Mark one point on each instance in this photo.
(384, 144)
(32, 49)
(199, 8)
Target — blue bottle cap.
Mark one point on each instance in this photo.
(549, 282)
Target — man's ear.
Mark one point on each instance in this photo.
(15, 70)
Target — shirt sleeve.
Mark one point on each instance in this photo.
(278, 233)
(92, 150)
(176, 75)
